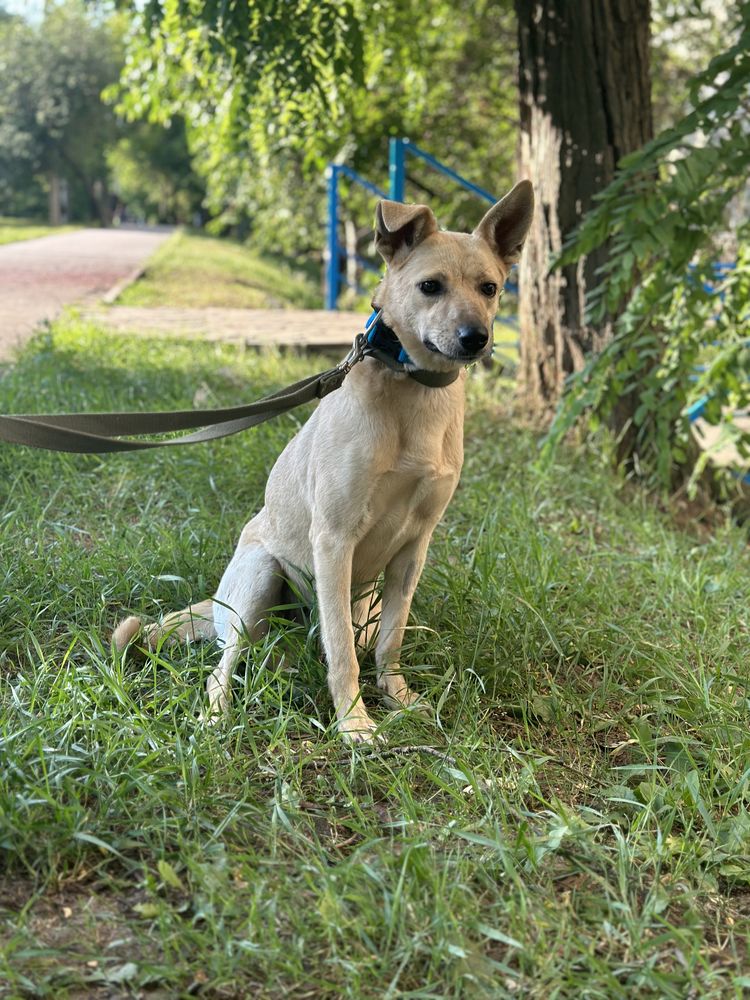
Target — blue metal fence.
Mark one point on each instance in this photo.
(399, 149)
(334, 252)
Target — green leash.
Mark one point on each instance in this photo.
(99, 433)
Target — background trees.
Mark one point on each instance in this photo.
(247, 102)
(58, 134)
(273, 90)
(152, 175)
(53, 123)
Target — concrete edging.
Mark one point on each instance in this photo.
(113, 293)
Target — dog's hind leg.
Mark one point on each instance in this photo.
(252, 584)
(192, 623)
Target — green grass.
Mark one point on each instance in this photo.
(585, 834)
(14, 230)
(198, 271)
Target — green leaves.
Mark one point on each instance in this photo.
(271, 91)
(669, 217)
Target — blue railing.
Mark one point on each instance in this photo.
(334, 252)
(399, 149)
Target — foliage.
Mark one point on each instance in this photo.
(685, 36)
(151, 173)
(272, 90)
(580, 829)
(52, 119)
(667, 215)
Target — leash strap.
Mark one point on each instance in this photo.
(97, 432)
(100, 433)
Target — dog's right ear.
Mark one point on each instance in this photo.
(400, 228)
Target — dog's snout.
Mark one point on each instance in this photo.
(472, 338)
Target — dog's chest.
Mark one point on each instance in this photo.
(409, 493)
(414, 455)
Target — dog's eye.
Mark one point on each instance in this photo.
(488, 288)
(430, 287)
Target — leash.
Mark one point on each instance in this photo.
(99, 433)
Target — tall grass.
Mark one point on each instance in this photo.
(570, 821)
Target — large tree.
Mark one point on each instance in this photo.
(677, 223)
(585, 103)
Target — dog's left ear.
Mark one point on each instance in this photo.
(400, 228)
(506, 224)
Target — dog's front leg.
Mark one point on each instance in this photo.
(332, 555)
(401, 577)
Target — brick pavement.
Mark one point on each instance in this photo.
(308, 328)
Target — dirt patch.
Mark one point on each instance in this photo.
(74, 938)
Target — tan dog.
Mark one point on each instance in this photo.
(358, 492)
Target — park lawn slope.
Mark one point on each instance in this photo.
(569, 821)
(192, 270)
(14, 230)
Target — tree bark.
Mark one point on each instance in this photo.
(585, 100)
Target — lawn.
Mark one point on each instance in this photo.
(569, 822)
(198, 271)
(14, 230)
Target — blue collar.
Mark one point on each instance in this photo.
(381, 338)
(383, 345)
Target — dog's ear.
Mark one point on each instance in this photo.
(400, 228)
(506, 224)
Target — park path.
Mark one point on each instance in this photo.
(39, 277)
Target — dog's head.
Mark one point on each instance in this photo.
(441, 289)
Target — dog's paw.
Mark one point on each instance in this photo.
(217, 709)
(211, 717)
(403, 697)
(359, 728)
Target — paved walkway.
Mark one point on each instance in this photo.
(39, 277)
(306, 328)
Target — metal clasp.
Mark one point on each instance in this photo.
(335, 378)
(357, 352)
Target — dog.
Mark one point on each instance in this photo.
(356, 494)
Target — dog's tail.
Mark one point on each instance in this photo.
(192, 623)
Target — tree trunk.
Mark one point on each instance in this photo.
(585, 103)
(55, 214)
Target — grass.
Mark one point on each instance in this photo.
(196, 271)
(579, 830)
(14, 230)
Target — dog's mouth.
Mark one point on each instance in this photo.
(454, 355)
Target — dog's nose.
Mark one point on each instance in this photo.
(472, 338)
